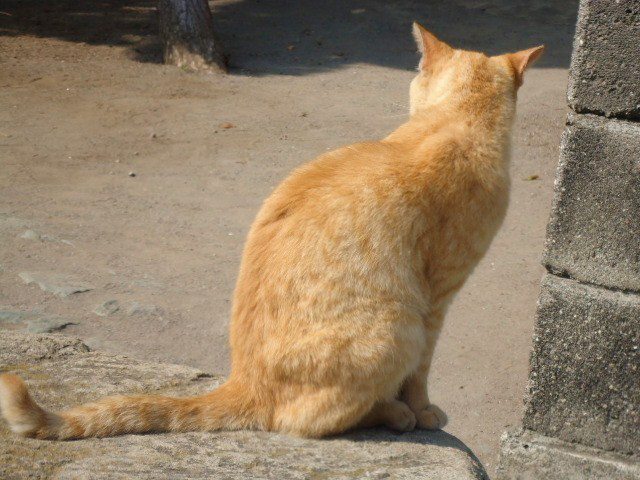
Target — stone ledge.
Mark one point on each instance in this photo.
(61, 372)
(592, 235)
(526, 455)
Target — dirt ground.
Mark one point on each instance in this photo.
(85, 101)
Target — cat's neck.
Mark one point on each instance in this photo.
(486, 119)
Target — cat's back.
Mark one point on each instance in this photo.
(344, 214)
(375, 190)
(336, 183)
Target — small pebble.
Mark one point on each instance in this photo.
(132, 174)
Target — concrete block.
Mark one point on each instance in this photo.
(526, 455)
(605, 65)
(593, 234)
(584, 383)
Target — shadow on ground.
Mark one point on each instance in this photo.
(298, 37)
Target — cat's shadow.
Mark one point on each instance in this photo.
(424, 437)
(438, 438)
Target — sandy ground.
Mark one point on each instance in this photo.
(84, 101)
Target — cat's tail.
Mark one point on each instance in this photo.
(222, 409)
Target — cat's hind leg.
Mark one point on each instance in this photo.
(323, 412)
(335, 378)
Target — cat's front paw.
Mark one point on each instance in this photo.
(431, 418)
(400, 418)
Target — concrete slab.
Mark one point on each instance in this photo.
(526, 455)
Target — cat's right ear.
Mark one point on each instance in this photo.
(522, 60)
(429, 45)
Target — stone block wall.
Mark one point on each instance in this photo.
(582, 416)
(594, 231)
(604, 64)
(585, 366)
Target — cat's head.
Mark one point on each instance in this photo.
(454, 76)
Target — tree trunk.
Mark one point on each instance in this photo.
(186, 32)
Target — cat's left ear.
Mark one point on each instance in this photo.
(429, 45)
(524, 59)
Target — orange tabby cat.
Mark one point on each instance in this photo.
(347, 272)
